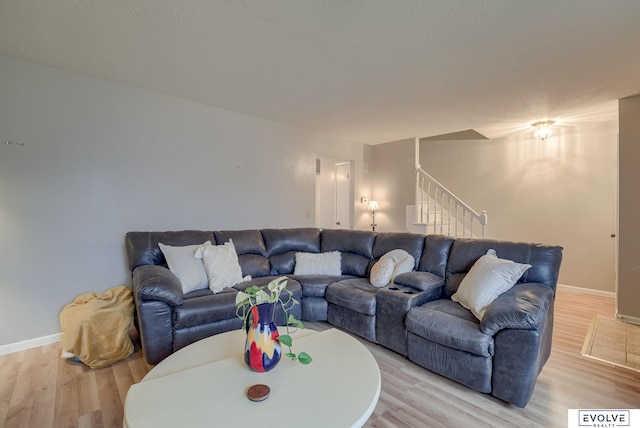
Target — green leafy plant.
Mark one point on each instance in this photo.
(255, 295)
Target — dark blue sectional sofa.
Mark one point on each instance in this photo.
(414, 316)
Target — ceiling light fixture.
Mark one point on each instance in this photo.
(543, 129)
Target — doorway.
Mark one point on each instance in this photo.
(334, 193)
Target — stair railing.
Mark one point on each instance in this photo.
(443, 211)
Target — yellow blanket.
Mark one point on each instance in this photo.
(96, 327)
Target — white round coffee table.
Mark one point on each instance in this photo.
(205, 383)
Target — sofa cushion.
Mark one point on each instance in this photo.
(142, 247)
(450, 307)
(188, 268)
(316, 285)
(355, 245)
(544, 260)
(387, 242)
(447, 323)
(419, 280)
(283, 244)
(279, 241)
(356, 294)
(489, 277)
(254, 265)
(435, 254)
(251, 250)
(283, 263)
(328, 263)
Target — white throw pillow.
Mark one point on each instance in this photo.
(381, 272)
(189, 270)
(329, 263)
(222, 266)
(402, 260)
(488, 278)
(389, 266)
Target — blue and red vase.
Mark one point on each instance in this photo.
(262, 349)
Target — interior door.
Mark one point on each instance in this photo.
(325, 192)
(344, 200)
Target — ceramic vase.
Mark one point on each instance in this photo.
(262, 349)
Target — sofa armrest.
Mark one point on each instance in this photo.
(153, 282)
(524, 306)
(423, 281)
(523, 321)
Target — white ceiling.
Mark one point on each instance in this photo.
(371, 71)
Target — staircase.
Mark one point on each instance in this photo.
(438, 211)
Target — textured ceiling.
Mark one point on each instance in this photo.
(366, 70)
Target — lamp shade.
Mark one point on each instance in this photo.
(373, 206)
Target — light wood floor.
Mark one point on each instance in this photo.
(39, 389)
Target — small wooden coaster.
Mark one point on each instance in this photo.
(258, 392)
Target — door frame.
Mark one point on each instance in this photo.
(349, 196)
(324, 174)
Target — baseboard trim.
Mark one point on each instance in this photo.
(628, 318)
(591, 291)
(31, 343)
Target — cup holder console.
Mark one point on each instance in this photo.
(394, 288)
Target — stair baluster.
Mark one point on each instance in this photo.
(435, 204)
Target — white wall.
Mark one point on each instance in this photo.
(560, 191)
(393, 183)
(100, 159)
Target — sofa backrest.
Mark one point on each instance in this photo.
(272, 251)
(544, 260)
(283, 244)
(435, 254)
(356, 247)
(410, 242)
(251, 249)
(142, 247)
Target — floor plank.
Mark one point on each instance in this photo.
(40, 389)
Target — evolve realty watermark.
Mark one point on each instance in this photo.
(604, 418)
